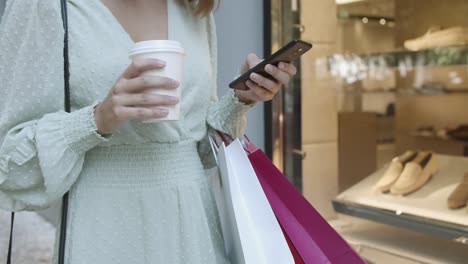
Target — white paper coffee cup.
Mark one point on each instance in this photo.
(172, 53)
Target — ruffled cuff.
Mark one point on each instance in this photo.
(18, 147)
(80, 130)
(238, 104)
(62, 139)
(57, 138)
(228, 115)
(22, 153)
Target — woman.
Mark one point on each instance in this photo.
(138, 192)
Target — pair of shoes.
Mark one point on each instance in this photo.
(394, 171)
(408, 173)
(459, 197)
(438, 37)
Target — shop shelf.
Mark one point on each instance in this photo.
(453, 55)
(409, 91)
(423, 211)
(385, 244)
(446, 146)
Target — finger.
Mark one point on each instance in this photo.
(253, 91)
(288, 67)
(252, 60)
(264, 82)
(145, 82)
(281, 76)
(260, 93)
(125, 113)
(139, 66)
(144, 99)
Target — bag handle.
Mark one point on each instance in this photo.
(217, 135)
(66, 75)
(66, 64)
(11, 238)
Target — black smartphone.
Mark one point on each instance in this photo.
(288, 53)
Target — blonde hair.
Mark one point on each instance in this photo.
(204, 7)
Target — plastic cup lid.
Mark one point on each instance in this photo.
(150, 46)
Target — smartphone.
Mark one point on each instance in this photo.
(292, 51)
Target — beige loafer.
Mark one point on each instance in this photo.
(416, 173)
(459, 196)
(438, 37)
(394, 171)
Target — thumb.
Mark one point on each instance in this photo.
(252, 60)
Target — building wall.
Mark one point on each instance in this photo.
(240, 31)
(319, 106)
(357, 37)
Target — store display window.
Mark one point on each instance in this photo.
(374, 129)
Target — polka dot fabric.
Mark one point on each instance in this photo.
(139, 196)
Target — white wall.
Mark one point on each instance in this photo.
(240, 31)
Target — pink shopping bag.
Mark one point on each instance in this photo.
(308, 234)
(311, 235)
(310, 238)
(295, 254)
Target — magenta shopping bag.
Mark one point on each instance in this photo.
(295, 254)
(313, 238)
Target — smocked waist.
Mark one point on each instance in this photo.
(145, 164)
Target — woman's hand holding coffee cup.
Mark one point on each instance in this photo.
(129, 97)
(261, 88)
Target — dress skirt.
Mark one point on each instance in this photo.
(142, 204)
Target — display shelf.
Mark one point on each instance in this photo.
(408, 91)
(440, 139)
(411, 92)
(453, 55)
(385, 244)
(424, 211)
(448, 146)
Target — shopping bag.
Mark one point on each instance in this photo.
(251, 231)
(311, 235)
(292, 248)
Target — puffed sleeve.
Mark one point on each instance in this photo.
(228, 113)
(42, 147)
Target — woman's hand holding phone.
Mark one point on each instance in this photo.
(262, 89)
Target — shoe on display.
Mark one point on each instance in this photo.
(394, 170)
(415, 174)
(438, 37)
(459, 133)
(442, 78)
(459, 196)
(425, 131)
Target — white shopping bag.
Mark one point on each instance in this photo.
(251, 232)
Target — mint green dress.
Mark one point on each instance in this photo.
(139, 196)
